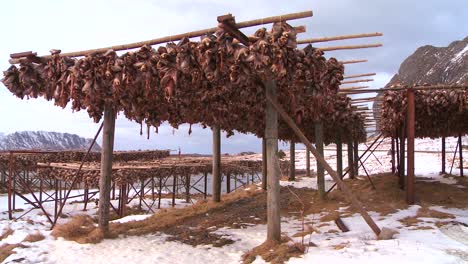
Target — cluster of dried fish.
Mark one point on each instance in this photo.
(215, 81)
(438, 112)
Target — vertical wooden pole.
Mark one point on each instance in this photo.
(339, 155)
(461, 154)
(264, 164)
(292, 161)
(106, 168)
(393, 155)
(350, 159)
(402, 157)
(273, 190)
(443, 155)
(307, 162)
(320, 169)
(216, 172)
(356, 158)
(411, 133)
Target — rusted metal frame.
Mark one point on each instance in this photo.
(76, 178)
(454, 156)
(411, 113)
(271, 99)
(333, 186)
(460, 154)
(40, 204)
(374, 156)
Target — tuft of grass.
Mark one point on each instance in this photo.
(6, 233)
(80, 228)
(7, 249)
(38, 236)
(275, 252)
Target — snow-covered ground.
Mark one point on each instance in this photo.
(428, 244)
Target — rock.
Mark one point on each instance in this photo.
(386, 234)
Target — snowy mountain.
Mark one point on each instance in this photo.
(435, 65)
(42, 140)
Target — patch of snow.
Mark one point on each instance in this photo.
(460, 54)
(131, 218)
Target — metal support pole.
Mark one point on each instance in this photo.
(339, 155)
(461, 154)
(273, 190)
(264, 165)
(307, 162)
(320, 171)
(411, 133)
(443, 155)
(106, 167)
(350, 159)
(402, 158)
(216, 164)
(393, 156)
(356, 157)
(292, 161)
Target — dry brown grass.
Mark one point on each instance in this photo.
(7, 249)
(166, 218)
(38, 236)
(80, 228)
(424, 212)
(274, 252)
(6, 233)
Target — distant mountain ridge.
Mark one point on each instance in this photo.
(42, 140)
(435, 65)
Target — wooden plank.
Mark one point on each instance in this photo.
(357, 81)
(273, 190)
(271, 101)
(216, 172)
(356, 158)
(307, 162)
(106, 168)
(352, 61)
(350, 159)
(359, 75)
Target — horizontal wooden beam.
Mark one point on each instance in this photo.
(352, 61)
(192, 34)
(357, 81)
(352, 88)
(351, 47)
(343, 37)
(359, 75)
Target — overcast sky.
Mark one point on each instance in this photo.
(78, 25)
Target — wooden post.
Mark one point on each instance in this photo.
(307, 162)
(339, 155)
(411, 133)
(393, 156)
(273, 193)
(350, 159)
(106, 168)
(271, 102)
(320, 170)
(264, 164)
(356, 158)
(402, 158)
(461, 154)
(228, 182)
(292, 161)
(216, 164)
(443, 155)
